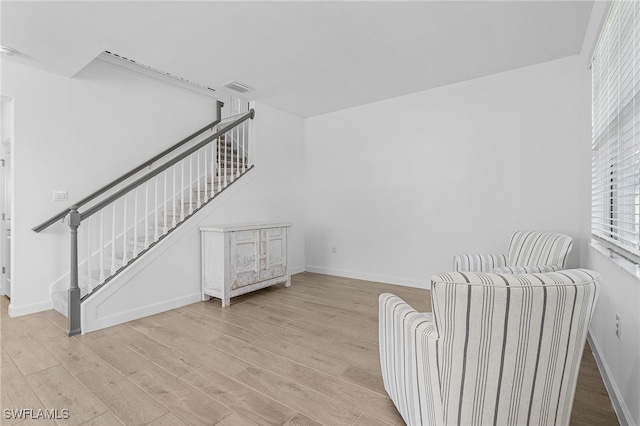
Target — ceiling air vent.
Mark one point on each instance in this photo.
(238, 87)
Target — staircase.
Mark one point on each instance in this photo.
(118, 226)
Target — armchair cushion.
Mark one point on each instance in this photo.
(529, 269)
(478, 262)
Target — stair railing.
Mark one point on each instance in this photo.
(122, 226)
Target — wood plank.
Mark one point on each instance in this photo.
(302, 420)
(5, 359)
(57, 319)
(300, 398)
(43, 329)
(176, 362)
(235, 420)
(243, 400)
(28, 354)
(365, 379)
(169, 419)
(197, 351)
(183, 400)
(337, 388)
(365, 420)
(205, 315)
(106, 419)
(58, 389)
(75, 356)
(16, 394)
(119, 356)
(325, 363)
(124, 399)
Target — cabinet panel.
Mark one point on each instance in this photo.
(245, 265)
(273, 253)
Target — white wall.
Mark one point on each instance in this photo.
(618, 358)
(78, 134)
(401, 186)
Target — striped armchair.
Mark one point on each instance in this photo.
(529, 252)
(497, 349)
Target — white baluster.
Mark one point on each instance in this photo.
(182, 192)
(190, 186)
(124, 232)
(233, 175)
(113, 238)
(226, 144)
(146, 215)
(219, 164)
(135, 223)
(101, 263)
(164, 229)
(213, 168)
(156, 225)
(88, 226)
(198, 176)
(244, 149)
(238, 151)
(173, 198)
(206, 184)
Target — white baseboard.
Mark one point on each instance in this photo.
(406, 282)
(297, 270)
(18, 311)
(91, 323)
(622, 411)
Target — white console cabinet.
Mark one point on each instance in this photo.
(237, 259)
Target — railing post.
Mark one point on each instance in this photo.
(219, 106)
(74, 288)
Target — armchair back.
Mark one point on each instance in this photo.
(509, 346)
(538, 248)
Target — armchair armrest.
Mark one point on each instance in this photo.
(478, 262)
(528, 269)
(408, 352)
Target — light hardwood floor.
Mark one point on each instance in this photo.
(306, 355)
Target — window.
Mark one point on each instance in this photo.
(615, 201)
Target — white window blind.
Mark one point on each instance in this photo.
(615, 202)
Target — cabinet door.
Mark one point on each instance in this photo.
(245, 258)
(273, 253)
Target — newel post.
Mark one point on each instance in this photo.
(74, 288)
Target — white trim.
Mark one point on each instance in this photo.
(297, 270)
(598, 17)
(621, 409)
(94, 324)
(18, 311)
(406, 282)
(628, 266)
(159, 75)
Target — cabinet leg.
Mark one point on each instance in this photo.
(287, 283)
(205, 297)
(226, 301)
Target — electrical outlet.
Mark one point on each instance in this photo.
(333, 249)
(618, 331)
(60, 196)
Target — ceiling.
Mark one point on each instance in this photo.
(304, 57)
